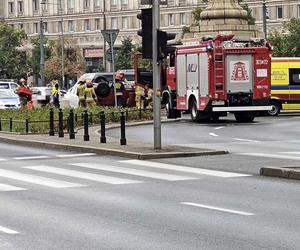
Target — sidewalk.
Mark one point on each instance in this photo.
(133, 149)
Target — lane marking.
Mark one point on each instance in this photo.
(7, 230)
(184, 169)
(217, 208)
(1, 159)
(5, 187)
(83, 175)
(246, 140)
(43, 181)
(217, 128)
(31, 157)
(75, 155)
(292, 152)
(137, 172)
(277, 156)
(213, 134)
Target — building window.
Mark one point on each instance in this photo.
(11, 7)
(97, 3)
(114, 23)
(86, 4)
(170, 19)
(279, 12)
(71, 26)
(87, 24)
(35, 4)
(35, 28)
(71, 4)
(20, 6)
(183, 18)
(97, 24)
(125, 23)
(21, 26)
(124, 2)
(45, 27)
(113, 2)
(59, 26)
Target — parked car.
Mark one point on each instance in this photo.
(9, 100)
(8, 84)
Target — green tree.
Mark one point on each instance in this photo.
(13, 63)
(125, 54)
(287, 44)
(251, 20)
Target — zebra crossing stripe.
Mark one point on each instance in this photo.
(83, 175)
(186, 169)
(7, 230)
(43, 181)
(130, 171)
(5, 187)
(276, 156)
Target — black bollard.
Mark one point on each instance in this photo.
(86, 136)
(102, 127)
(0, 125)
(60, 123)
(71, 125)
(51, 124)
(26, 126)
(10, 124)
(122, 121)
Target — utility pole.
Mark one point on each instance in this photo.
(104, 42)
(264, 9)
(42, 54)
(156, 75)
(62, 46)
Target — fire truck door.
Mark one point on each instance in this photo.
(181, 75)
(239, 72)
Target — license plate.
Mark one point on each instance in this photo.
(217, 103)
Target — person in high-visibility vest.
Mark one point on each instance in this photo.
(119, 88)
(139, 96)
(90, 95)
(55, 91)
(81, 94)
(149, 96)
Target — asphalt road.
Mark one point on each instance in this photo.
(63, 200)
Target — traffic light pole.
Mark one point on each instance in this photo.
(156, 76)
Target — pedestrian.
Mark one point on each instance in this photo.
(119, 88)
(80, 93)
(139, 96)
(24, 93)
(149, 96)
(90, 95)
(55, 91)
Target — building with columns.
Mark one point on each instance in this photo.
(83, 20)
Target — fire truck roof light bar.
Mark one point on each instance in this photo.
(242, 108)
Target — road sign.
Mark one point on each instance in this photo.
(109, 55)
(110, 36)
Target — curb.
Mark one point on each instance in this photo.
(112, 152)
(288, 172)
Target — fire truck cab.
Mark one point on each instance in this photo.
(217, 76)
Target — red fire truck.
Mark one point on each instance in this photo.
(215, 77)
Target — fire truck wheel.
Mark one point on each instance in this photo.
(244, 116)
(193, 110)
(275, 108)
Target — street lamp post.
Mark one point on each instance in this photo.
(264, 9)
(42, 53)
(61, 40)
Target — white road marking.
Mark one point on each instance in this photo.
(7, 230)
(5, 187)
(217, 128)
(213, 134)
(277, 156)
(2, 159)
(292, 152)
(184, 169)
(216, 208)
(37, 179)
(75, 155)
(137, 172)
(31, 157)
(83, 175)
(246, 140)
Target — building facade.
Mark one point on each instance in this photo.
(83, 20)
